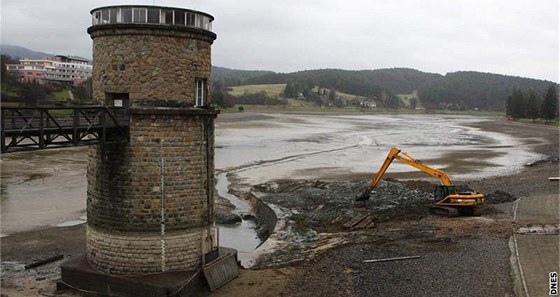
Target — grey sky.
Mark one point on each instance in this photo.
(514, 37)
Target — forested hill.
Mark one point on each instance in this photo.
(457, 90)
(234, 77)
(394, 80)
(468, 90)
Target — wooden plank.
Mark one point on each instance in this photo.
(391, 259)
(354, 221)
(44, 261)
(363, 223)
(554, 178)
(221, 271)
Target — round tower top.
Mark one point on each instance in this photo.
(143, 15)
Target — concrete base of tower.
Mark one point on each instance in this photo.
(79, 275)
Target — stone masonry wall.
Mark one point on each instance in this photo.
(157, 67)
(140, 252)
(152, 66)
(124, 187)
(124, 193)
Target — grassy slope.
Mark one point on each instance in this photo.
(60, 95)
(294, 105)
(272, 90)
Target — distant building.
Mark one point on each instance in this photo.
(368, 104)
(67, 70)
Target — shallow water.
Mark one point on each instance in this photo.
(242, 236)
(330, 146)
(47, 188)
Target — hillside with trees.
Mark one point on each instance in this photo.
(358, 82)
(528, 104)
(475, 90)
(464, 90)
(233, 77)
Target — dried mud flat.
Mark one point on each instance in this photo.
(317, 255)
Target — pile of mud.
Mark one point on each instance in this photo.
(499, 196)
(315, 211)
(324, 206)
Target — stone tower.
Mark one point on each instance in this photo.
(150, 201)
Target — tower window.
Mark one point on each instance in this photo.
(200, 96)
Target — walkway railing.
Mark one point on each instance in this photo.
(33, 128)
(151, 15)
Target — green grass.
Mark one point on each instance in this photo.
(406, 98)
(9, 93)
(348, 97)
(61, 112)
(60, 95)
(272, 90)
(293, 105)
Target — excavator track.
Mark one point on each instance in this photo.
(444, 211)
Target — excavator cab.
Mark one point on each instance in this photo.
(441, 192)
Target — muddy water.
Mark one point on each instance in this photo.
(242, 236)
(49, 187)
(43, 188)
(350, 146)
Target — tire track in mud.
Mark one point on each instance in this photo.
(263, 163)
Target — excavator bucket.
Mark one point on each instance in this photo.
(364, 195)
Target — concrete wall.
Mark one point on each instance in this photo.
(266, 217)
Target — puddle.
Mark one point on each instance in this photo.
(243, 236)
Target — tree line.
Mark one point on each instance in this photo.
(467, 90)
(529, 104)
(464, 90)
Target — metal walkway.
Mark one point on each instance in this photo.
(34, 128)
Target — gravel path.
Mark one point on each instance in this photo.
(468, 266)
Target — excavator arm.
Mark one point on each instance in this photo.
(395, 153)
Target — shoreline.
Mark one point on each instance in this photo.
(24, 247)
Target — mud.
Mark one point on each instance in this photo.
(312, 188)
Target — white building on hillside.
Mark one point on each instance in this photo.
(68, 70)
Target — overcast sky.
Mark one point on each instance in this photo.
(514, 37)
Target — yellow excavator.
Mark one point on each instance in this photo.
(447, 200)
